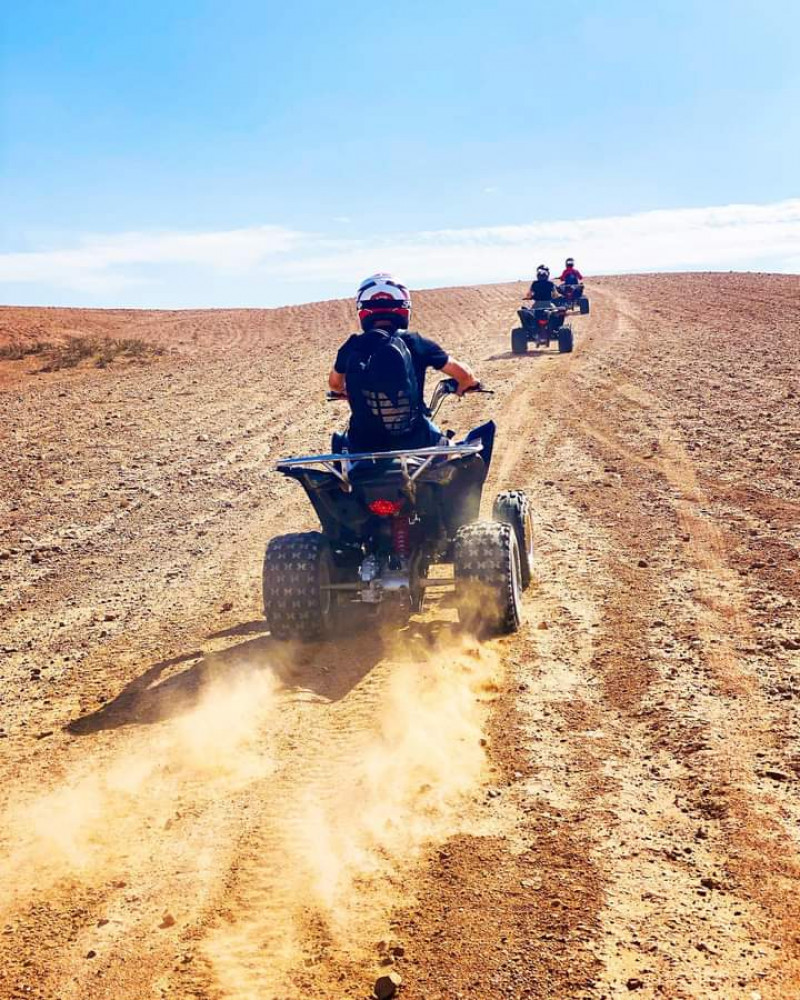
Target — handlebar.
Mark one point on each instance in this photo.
(450, 385)
(447, 386)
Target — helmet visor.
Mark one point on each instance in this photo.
(384, 305)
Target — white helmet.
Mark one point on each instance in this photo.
(381, 297)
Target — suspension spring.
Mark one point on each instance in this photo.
(401, 537)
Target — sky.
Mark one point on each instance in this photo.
(195, 153)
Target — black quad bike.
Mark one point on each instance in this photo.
(541, 323)
(573, 297)
(386, 518)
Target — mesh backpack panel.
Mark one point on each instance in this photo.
(382, 387)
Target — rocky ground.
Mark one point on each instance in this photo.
(604, 805)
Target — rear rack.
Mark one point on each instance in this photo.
(340, 465)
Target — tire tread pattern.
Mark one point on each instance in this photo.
(292, 599)
(485, 594)
(513, 507)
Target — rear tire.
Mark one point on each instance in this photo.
(513, 507)
(488, 578)
(565, 340)
(519, 341)
(584, 304)
(296, 569)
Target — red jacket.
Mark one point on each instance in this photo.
(570, 271)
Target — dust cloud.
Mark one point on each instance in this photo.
(331, 830)
(348, 835)
(118, 817)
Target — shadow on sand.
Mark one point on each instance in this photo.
(174, 686)
(536, 354)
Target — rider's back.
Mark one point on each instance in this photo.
(384, 376)
(542, 290)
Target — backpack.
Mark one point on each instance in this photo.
(383, 389)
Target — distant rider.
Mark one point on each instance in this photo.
(570, 275)
(382, 372)
(542, 290)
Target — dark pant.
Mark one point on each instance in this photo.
(425, 435)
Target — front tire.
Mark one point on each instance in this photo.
(488, 577)
(513, 507)
(519, 341)
(297, 601)
(565, 340)
(584, 305)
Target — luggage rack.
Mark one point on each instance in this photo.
(341, 465)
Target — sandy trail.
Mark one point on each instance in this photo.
(605, 804)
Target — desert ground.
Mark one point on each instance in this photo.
(605, 804)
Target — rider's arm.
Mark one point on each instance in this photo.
(336, 381)
(461, 373)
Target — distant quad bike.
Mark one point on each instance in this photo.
(386, 518)
(572, 296)
(541, 323)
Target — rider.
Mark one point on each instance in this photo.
(382, 372)
(542, 289)
(570, 275)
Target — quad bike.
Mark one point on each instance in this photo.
(541, 323)
(386, 518)
(572, 296)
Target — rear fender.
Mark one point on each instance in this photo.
(485, 434)
(342, 515)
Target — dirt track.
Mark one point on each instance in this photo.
(604, 805)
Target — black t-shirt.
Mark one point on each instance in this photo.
(424, 353)
(542, 290)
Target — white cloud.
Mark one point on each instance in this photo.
(99, 262)
(246, 261)
(735, 236)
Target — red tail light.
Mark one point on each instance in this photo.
(542, 322)
(385, 508)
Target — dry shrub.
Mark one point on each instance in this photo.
(16, 350)
(102, 351)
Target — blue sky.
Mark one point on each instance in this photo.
(218, 154)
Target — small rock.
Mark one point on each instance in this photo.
(776, 775)
(227, 606)
(642, 564)
(5, 554)
(493, 793)
(387, 986)
(634, 984)
(543, 625)
(167, 921)
(91, 954)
